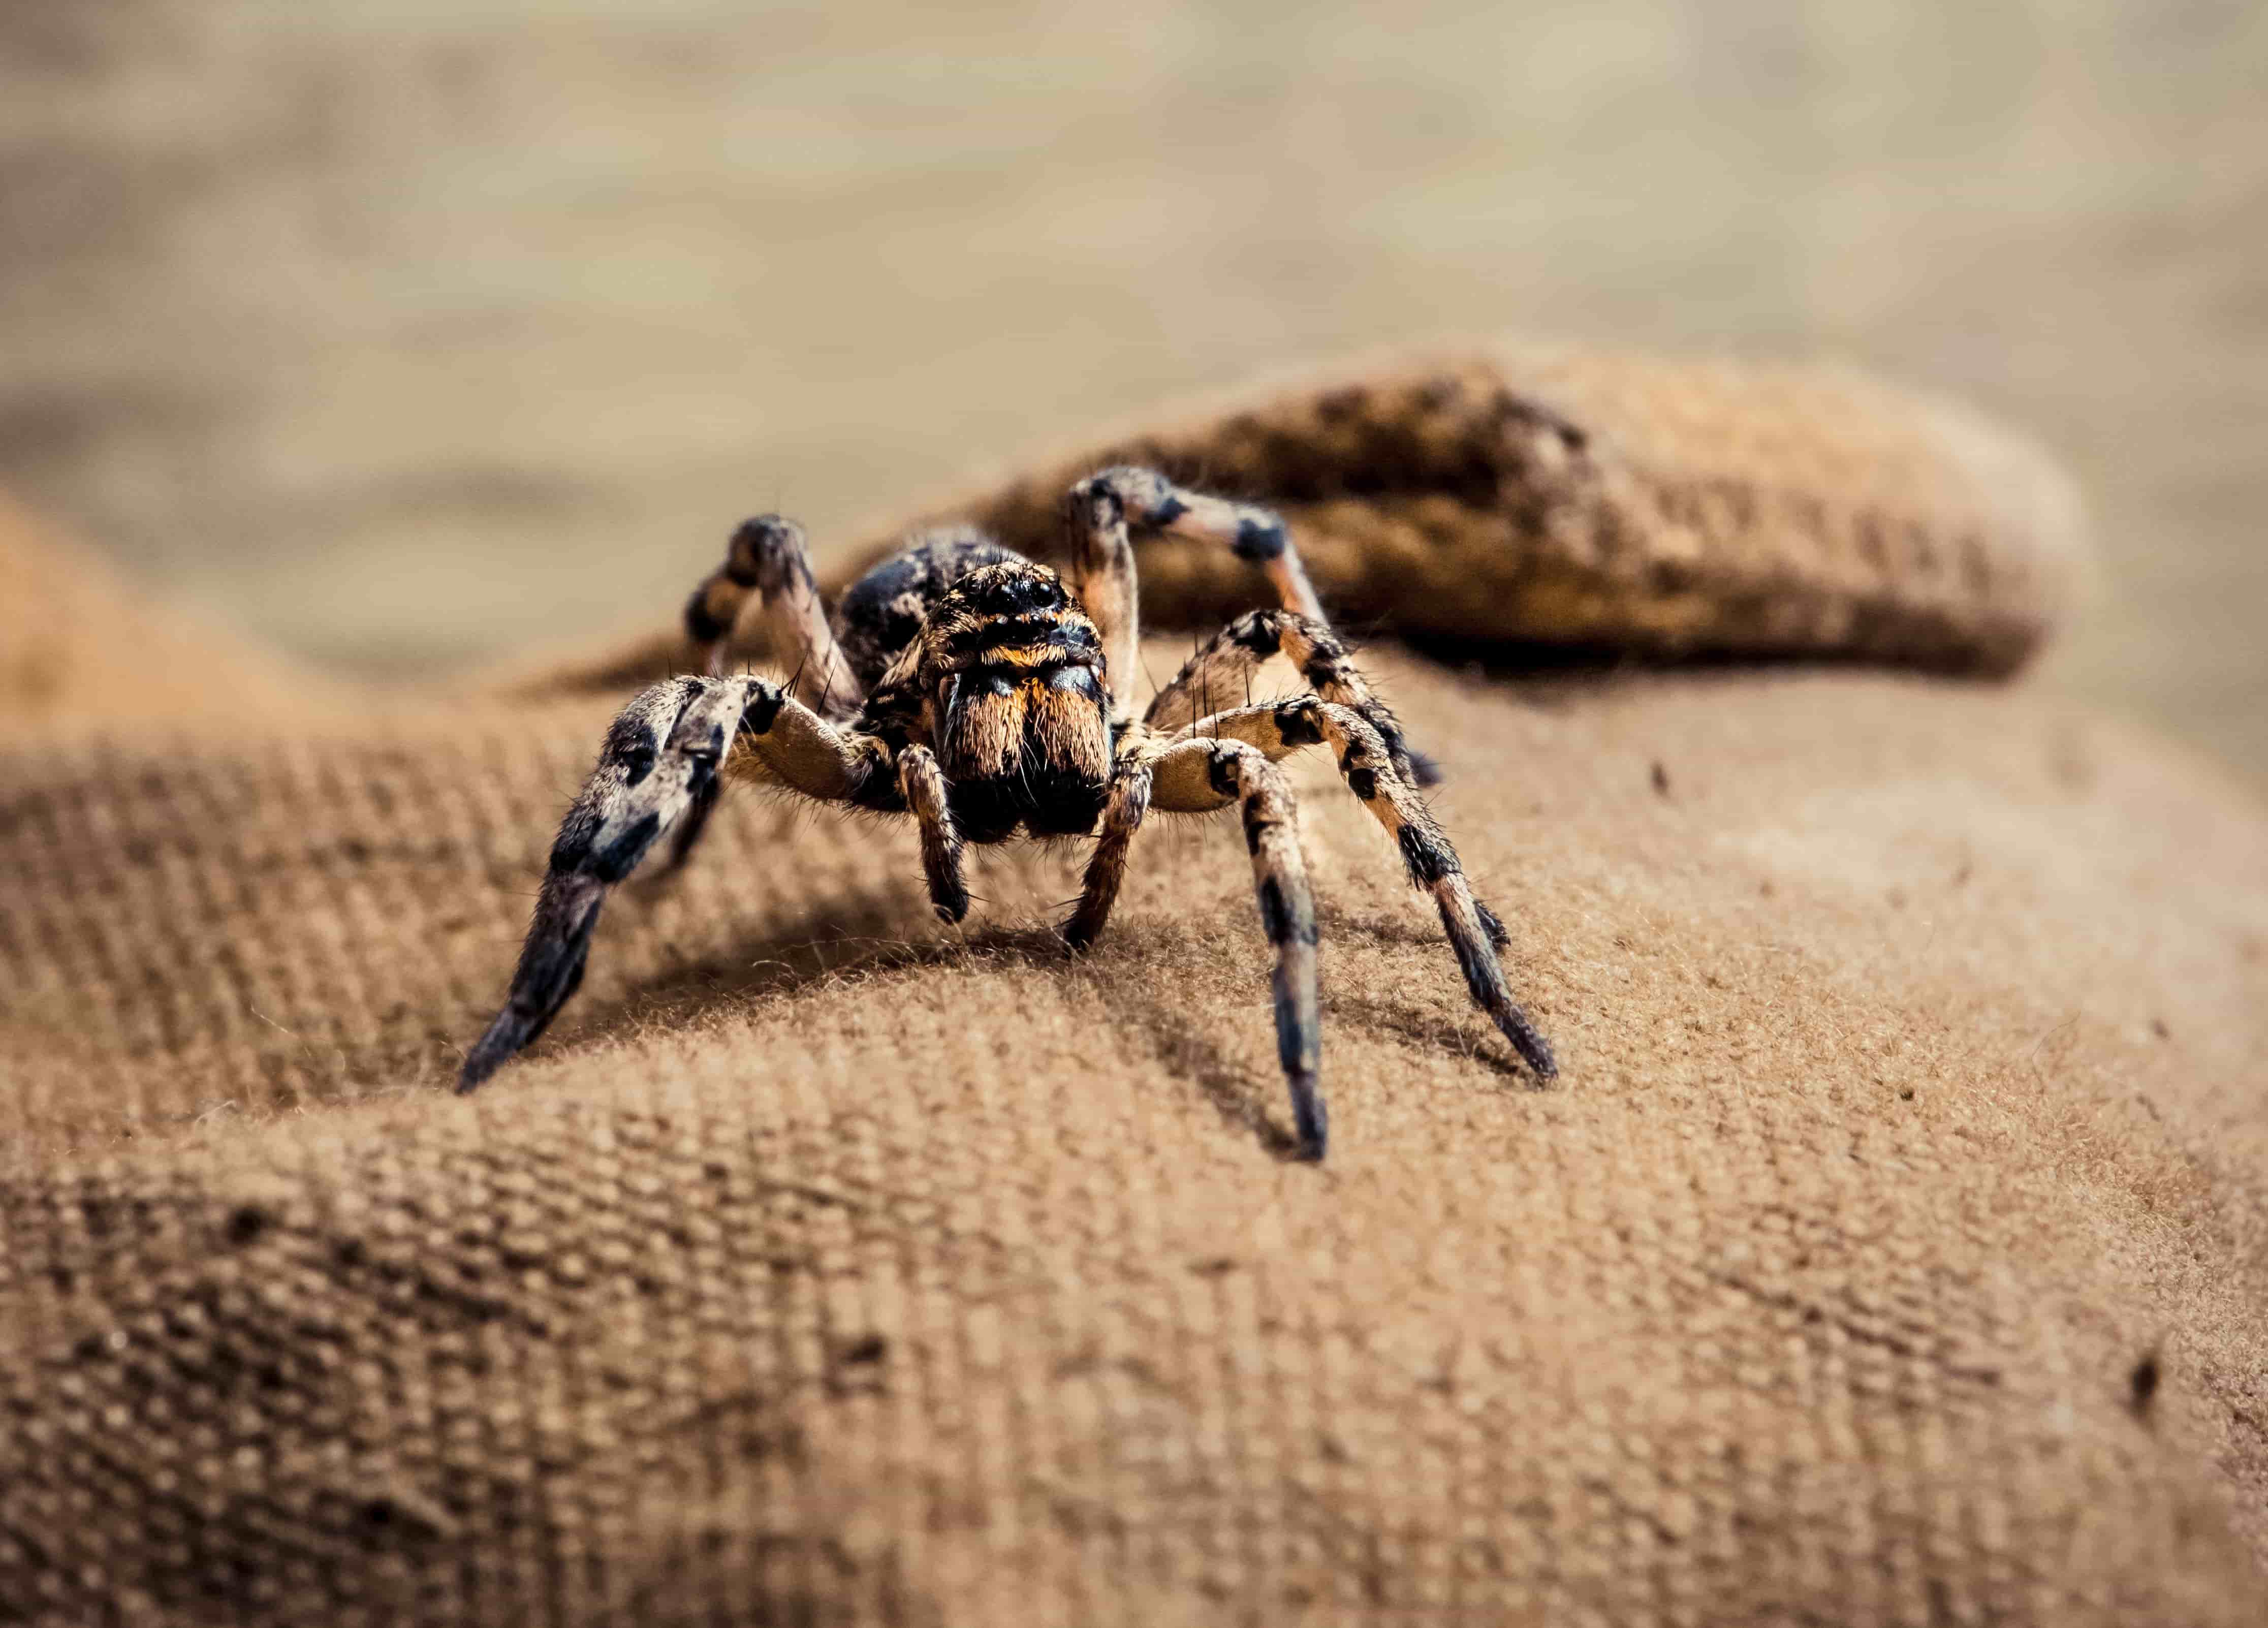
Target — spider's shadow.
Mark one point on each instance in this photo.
(877, 929)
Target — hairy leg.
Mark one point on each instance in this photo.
(1254, 533)
(768, 556)
(1195, 775)
(1221, 673)
(1102, 576)
(921, 781)
(657, 775)
(1123, 809)
(1427, 854)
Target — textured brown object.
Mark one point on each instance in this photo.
(1564, 495)
(825, 1266)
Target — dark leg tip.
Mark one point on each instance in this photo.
(1311, 1122)
(486, 1057)
(1424, 770)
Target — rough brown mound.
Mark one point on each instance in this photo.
(1520, 494)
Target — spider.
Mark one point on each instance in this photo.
(982, 695)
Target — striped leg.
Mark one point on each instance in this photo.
(921, 781)
(1255, 533)
(657, 775)
(768, 556)
(1193, 777)
(1431, 861)
(1222, 671)
(658, 765)
(1122, 813)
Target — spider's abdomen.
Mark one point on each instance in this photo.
(1023, 715)
(883, 611)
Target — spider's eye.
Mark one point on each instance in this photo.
(637, 763)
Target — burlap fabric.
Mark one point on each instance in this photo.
(1894, 1249)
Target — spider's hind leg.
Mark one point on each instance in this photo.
(1261, 537)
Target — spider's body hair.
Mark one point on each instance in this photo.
(882, 612)
(989, 698)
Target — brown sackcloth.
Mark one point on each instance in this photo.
(1892, 1250)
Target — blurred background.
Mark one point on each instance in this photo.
(402, 335)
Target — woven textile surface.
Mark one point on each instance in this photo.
(1893, 1247)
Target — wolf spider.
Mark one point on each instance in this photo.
(982, 693)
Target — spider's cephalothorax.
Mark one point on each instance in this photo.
(987, 696)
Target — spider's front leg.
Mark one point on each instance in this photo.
(658, 771)
(657, 768)
(1366, 765)
(1195, 777)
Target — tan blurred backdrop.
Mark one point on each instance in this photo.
(400, 334)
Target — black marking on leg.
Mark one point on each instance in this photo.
(949, 895)
(1299, 721)
(695, 820)
(743, 555)
(1362, 782)
(1171, 509)
(1275, 918)
(619, 857)
(1485, 978)
(1258, 631)
(701, 625)
(1427, 856)
(763, 709)
(1221, 771)
(1322, 670)
(1310, 1120)
(550, 970)
(1283, 924)
(1258, 539)
(1492, 925)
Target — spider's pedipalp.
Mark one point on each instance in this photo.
(1123, 809)
(1365, 763)
(921, 783)
(1192, 776)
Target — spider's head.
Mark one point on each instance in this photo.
(1022, 711)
